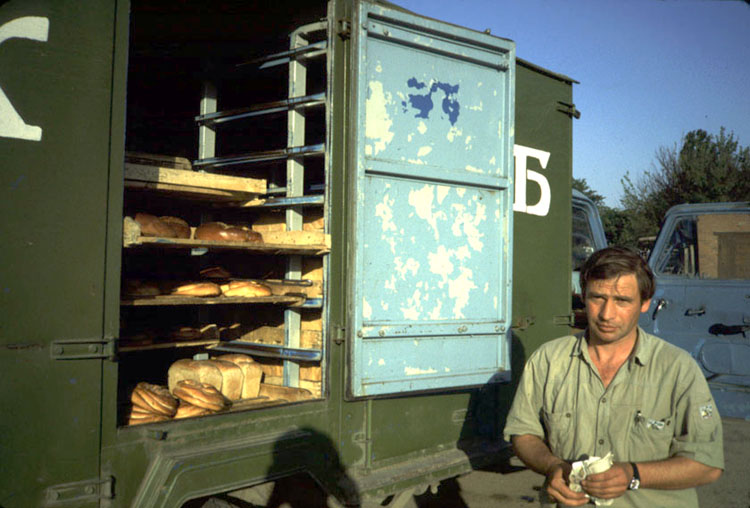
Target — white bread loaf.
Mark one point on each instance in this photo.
(276, 392)
(232, 379)
(252, 373)
(202, 371)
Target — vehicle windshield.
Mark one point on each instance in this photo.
(583, 238)
(710, 246)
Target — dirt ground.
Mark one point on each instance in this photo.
(517, 487)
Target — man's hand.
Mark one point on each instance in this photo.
(609, 484)
(557, 486)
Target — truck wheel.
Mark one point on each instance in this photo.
(219, 502)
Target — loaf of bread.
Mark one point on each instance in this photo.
(152, 225)
(137, 339)
(179, 226)
(252, 373)
(215, 272)
(245, 288)
(221, 232)
(201, 371)
(185, 410)
(232, 379)
(152, 398)
(136, 288)
(201, 395)
(276, 392)
(203, 289)
(186, 333)
(138, 417)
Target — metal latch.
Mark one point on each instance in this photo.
(345, 28)
(87, 490)
(568, 109)
(82, 349)
(566, 320)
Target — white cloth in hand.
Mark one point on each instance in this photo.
(583, 468)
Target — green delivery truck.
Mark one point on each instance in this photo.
(250, 241)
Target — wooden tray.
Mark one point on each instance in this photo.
(297, 242)
(192, 184)
(290, 300)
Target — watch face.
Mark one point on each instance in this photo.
(634, 484)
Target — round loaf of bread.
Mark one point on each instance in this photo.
(133, 287)
(180, 227)
(153, 398)
(200, 394)
(246, 288)
(221, 232)
(152, 225)
(186, 410)
(215, 272)
(138, 418)
(197, 289)
(186, 333)
(137, 339)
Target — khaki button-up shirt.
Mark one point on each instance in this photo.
(657, 406)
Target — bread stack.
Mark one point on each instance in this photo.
(151, 403)
(234, 376)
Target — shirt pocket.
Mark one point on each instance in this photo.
(651, 436)
(559, 430)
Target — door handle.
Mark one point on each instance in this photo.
(722, 329)
(696, 312)
(659, 306)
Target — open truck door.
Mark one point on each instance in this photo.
(432, 204)
(701, 260)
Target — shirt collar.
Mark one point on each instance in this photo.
(644, 347)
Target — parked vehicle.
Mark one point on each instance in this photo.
(377, 283)
(587, 238)
(701, 260)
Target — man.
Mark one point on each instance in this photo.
(615, 388)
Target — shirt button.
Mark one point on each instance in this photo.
(601, 441)
(567, 415)
(604, 399)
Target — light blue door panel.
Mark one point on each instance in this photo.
(431, 285)
(699, 309)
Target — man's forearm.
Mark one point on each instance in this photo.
(535, 453)
(676, 473)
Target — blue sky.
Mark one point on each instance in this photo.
(649, 70)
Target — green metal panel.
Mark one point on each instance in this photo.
(541, 251)
(56, 76)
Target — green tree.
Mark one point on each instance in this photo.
(705, 168)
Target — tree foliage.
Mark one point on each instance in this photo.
(704, 168)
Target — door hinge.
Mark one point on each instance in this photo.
(345, 28)
(78, 492)
(82, 349)
(567, 320)
(568, 109)
(339, 333)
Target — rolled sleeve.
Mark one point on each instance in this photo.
(700, 436)
(524, 415)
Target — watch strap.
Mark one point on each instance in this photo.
(635, 482)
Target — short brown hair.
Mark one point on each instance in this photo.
(612, 262)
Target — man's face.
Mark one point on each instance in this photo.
(613, 307)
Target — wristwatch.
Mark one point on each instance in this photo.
(635, 481)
